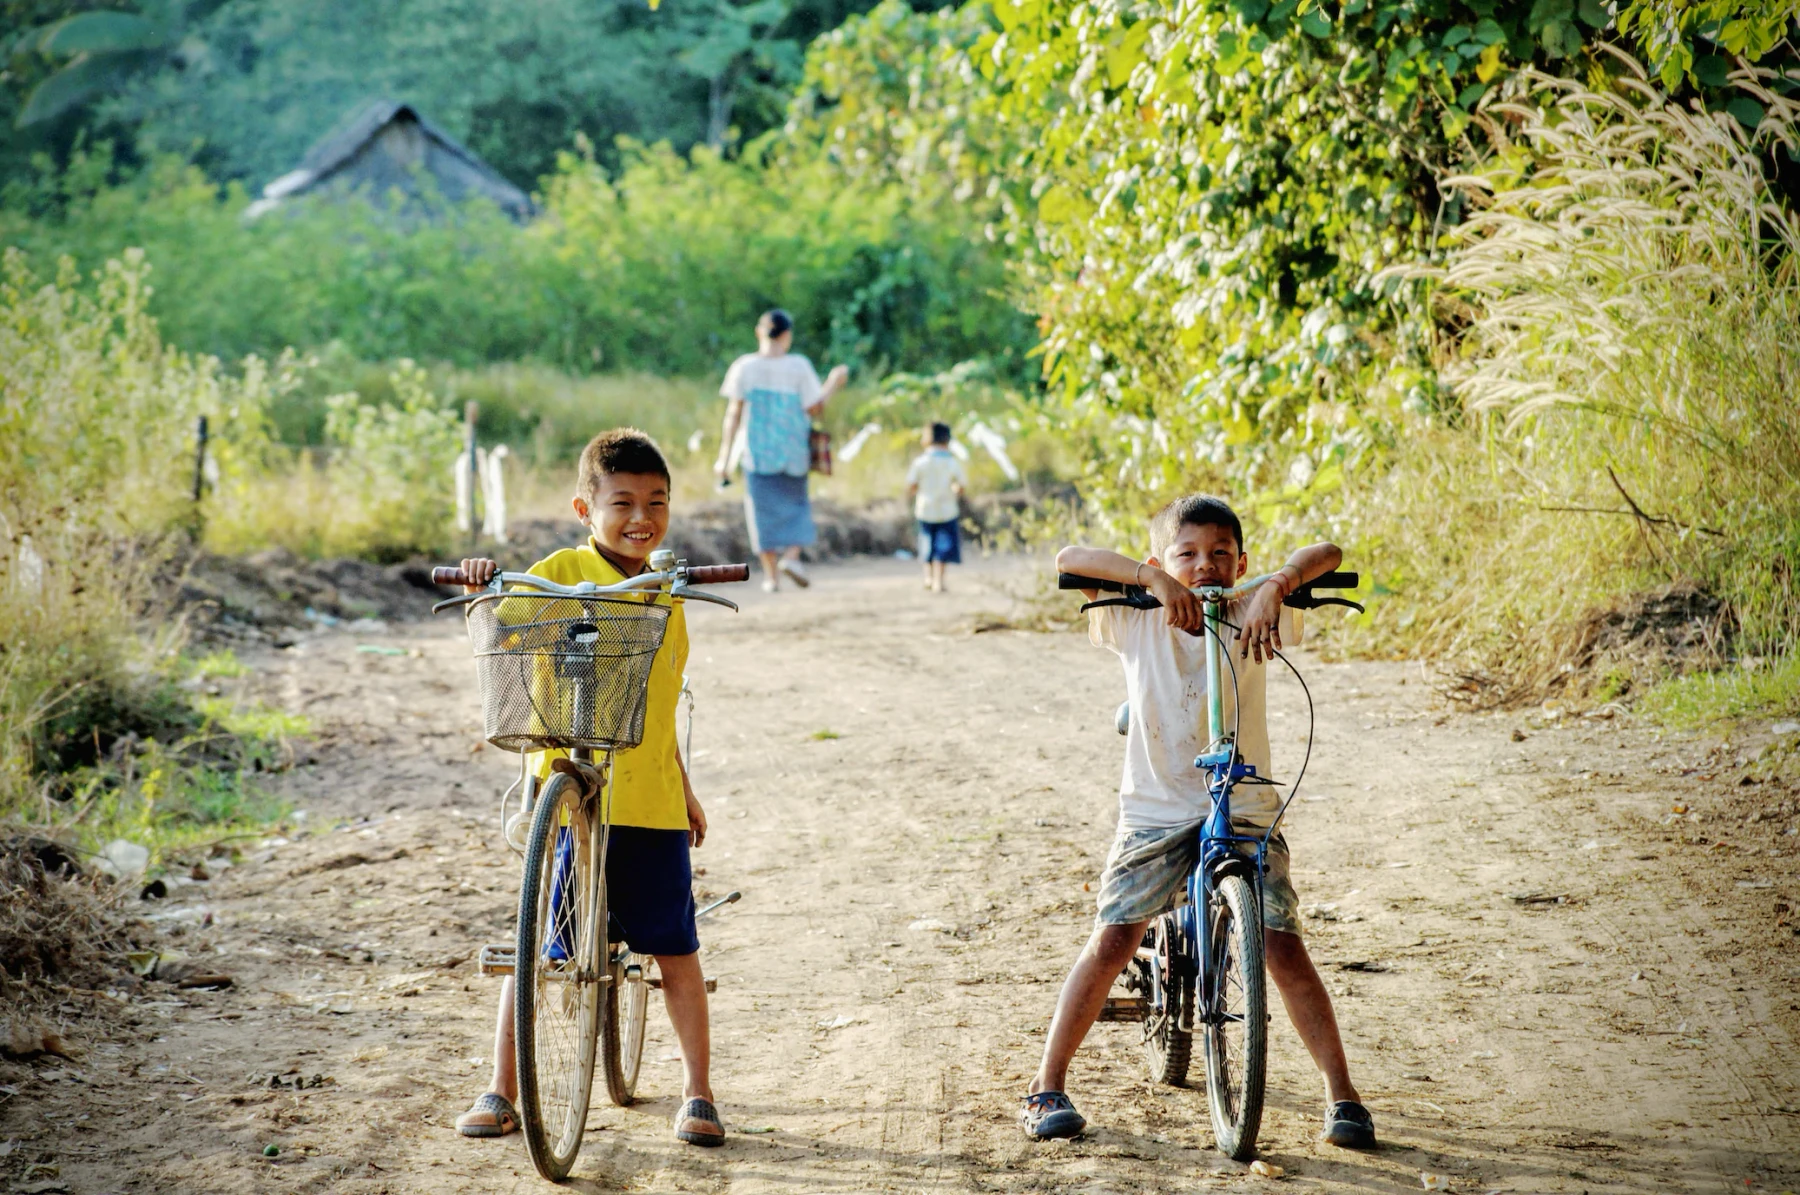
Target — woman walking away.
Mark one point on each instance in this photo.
(780, 392)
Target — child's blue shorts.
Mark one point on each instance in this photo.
(940, 541)
(650, 890)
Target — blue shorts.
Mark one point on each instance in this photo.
(940, 541)
(650, 890)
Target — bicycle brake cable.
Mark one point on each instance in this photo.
(1311, 726)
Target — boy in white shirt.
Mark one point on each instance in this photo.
(935, 482)
(1163, 799)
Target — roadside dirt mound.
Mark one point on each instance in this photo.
(57, 926)
(268, 595)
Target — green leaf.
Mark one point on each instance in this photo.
(1488, 32)
(1547, 12)
(1593, 14)
(105, 33)
(1711, 69)
(1251, 11)
(1457, 35)
(1060, 205)
(1314, 23)
(1749, 113)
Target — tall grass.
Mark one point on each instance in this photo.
(1627, 378)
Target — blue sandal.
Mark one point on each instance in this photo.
(1050, 1114)
(1348, 1125)
(489, 1104)
(703, 1111)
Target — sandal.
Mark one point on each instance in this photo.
(702, 1111)
(1348, 1125)
(490, 1104)
(1050, 1114)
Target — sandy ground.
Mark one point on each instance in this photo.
(915, 814)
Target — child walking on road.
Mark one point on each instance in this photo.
(935, 482)
(1162, 799)
(622, 497)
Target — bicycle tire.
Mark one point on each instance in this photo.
(624, 1013)
(556, 977)
(1239, 1016)
(1168, 1048)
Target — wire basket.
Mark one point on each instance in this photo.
(564, 671)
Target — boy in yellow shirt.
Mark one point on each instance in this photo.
(622, 497)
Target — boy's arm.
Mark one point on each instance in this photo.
(1180, 606)
(696, 816)
(1261, 633)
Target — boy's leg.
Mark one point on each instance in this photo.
(684, 994)
(770, 560)
(1309, 1008)
(1084, 993)
(505, 1080)
(937, 575)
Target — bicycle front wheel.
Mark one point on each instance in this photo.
(1237, 1018)
(624, 1012)
(558, 975)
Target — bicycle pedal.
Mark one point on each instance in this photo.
(1124, 1008)
(712, 985)
(498, 960)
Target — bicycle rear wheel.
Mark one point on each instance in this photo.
(624, 1012)
(557, 975)
(1237, 1019)
(1168, 1047)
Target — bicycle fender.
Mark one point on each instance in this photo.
(1234, 864)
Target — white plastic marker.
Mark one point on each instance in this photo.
(848, 452)
(986, 437)
(493, 493)
(697, 439)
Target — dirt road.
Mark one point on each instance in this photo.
(914, 814)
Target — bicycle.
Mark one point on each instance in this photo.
(1202, 963)
(568, 666)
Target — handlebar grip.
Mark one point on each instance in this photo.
(718, 574)
(1335, 581)
(449, 575)
(1077, 581)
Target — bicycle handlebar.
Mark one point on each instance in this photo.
(678, 579)
(1136, 597)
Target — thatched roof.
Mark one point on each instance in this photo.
(386, 147)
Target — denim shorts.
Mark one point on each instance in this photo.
(940, 541)
(1147, 870)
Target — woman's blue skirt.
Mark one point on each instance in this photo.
(778, 511)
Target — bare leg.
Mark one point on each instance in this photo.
(684, 994)
(925, 571)
(770, 576)
(505, 1080)
(1309, 1008)
(937, 576)
(1083, 996)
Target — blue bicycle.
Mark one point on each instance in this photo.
(1202, 963)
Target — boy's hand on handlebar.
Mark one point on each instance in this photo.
(1182, 609)
(479, 570)
(1261, 633)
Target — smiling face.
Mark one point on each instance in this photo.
(1203, 554)
(628, 514)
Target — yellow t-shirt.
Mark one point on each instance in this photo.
(646, 779)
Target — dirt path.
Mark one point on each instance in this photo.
(875, 772)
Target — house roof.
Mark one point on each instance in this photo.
(338, 148)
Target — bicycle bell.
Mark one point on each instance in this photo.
(662, 560)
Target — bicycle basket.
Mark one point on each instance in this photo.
(564, 671)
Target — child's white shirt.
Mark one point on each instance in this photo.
(936, 472)
(1165, 681)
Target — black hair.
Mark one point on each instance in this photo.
(940, 433)
(1195, 510)
(621, 450)
(777, 320)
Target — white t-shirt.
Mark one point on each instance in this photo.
(779, 394)
(935, 471)
(1165, 681)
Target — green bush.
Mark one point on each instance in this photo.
(661, 267)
